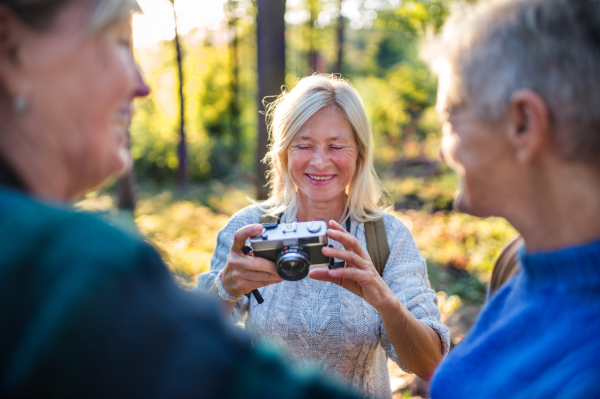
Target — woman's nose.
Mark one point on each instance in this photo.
(319, 160)
(141, 88)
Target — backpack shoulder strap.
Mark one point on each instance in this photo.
(507, 265)
(377, 244)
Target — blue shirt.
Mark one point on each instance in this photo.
(538, 337)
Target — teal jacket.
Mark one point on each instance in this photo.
(89, 311)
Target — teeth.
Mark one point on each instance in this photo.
(320, 177)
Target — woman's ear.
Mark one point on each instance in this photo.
(529, 125)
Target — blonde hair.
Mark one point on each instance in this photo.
(288, 114)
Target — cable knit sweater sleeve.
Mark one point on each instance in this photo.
(244, 217)
(406, 274)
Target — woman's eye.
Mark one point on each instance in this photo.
(337, 148)
(302, 147)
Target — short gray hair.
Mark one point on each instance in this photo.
(40, 14)
(549, 46)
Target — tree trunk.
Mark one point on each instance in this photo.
(313, 7)
(270, 36)
(181, 147)
(340, 41)
(234, 106)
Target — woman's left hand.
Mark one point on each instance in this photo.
(417, 345)
(359, 276)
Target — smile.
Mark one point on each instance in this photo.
(321, 178)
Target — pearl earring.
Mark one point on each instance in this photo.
(20, 104)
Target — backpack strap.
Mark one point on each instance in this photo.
(507, 265)
(377, 244)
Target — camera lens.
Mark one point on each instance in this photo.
(292, 263)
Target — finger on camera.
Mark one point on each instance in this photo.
(241, 235)
(260, 277)
(342, 254)
(348, 241)
(350, 273)
(262, 268)
(322, 274)
(262, 265)
(336, 228)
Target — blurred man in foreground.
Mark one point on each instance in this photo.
(519, 98)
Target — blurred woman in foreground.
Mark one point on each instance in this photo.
(519, 101)
(87, 310)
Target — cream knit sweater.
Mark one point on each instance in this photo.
(327, 325)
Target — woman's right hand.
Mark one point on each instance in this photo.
(244, 273)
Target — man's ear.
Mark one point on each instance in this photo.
(11, 35)
(529, 124)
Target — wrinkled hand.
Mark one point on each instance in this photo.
(359, 276)
(244, 273)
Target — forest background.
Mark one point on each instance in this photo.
(185, 190)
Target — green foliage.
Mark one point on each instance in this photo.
(462, 242)
(219, 125)
(183, 231)
(380, 60)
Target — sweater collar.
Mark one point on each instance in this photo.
(576, 265)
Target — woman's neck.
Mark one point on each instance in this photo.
(308, 209)
(40, 174)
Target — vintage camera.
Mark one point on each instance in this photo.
(294, 247)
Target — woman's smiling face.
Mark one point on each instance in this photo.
(82, 87)
(322, 156)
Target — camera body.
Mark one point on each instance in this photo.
(294, 247)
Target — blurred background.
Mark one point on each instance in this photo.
(198, 138)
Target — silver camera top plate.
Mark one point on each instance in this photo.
(294, 233)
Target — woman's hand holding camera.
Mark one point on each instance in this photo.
(359, 276)
(417, 344)
(244, 273)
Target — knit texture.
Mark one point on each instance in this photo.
(327, 325)
(537, 337)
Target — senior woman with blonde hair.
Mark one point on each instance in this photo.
(348, 320)
(89, 310)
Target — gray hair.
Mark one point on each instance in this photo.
(40, 14)
(549, 46)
